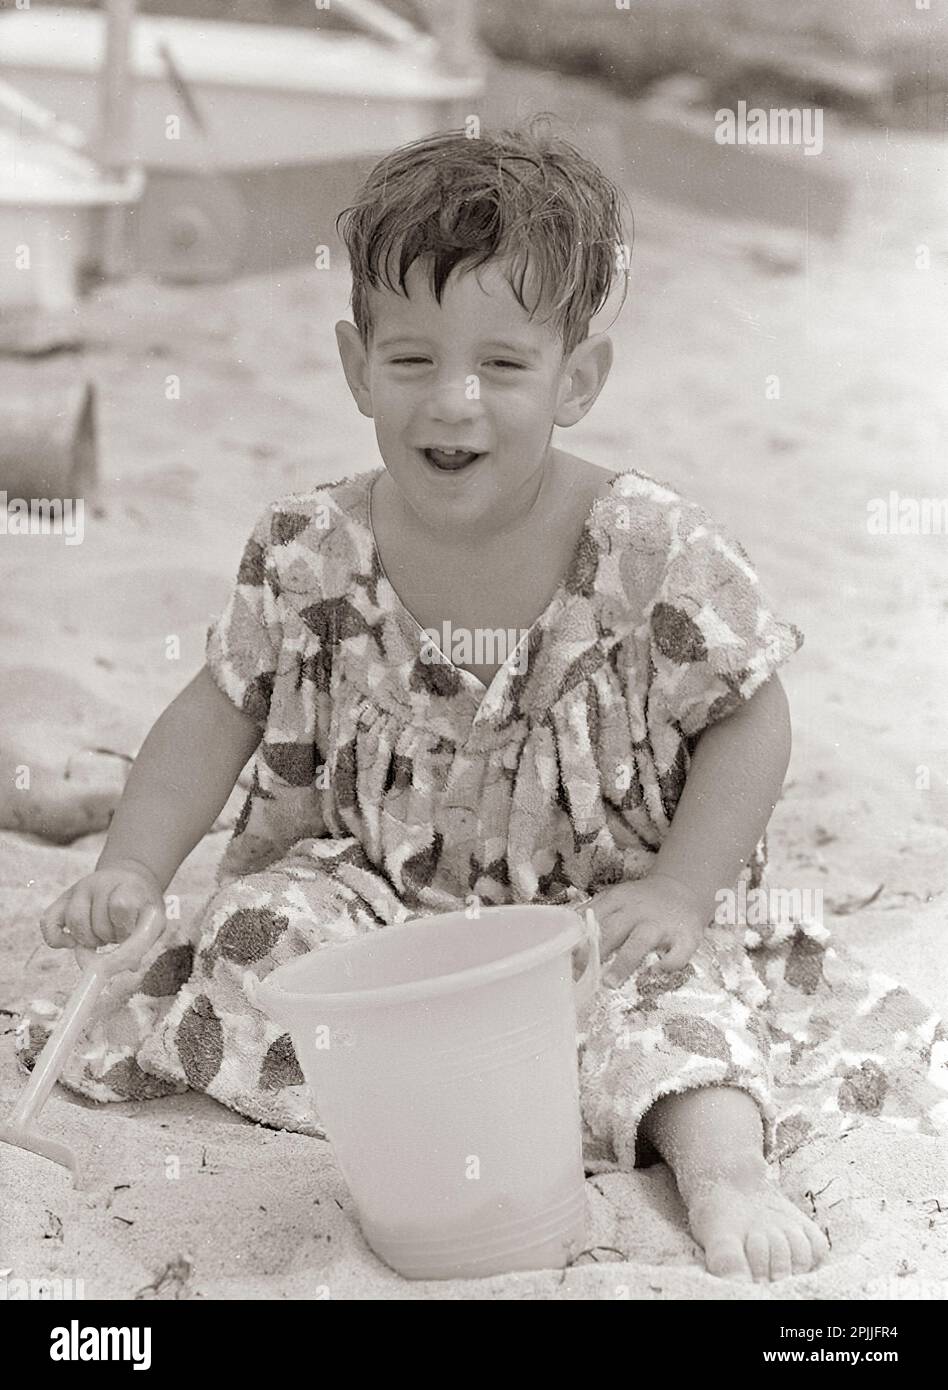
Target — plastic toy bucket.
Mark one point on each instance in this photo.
(441, 1054)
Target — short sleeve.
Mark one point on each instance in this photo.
(714, 639)
(243, 645)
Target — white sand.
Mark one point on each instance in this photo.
(857, 343)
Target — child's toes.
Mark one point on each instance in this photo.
(781, 1255)
(818, 1243)
(725, 1258)
(801, 1250)
(757, 1246)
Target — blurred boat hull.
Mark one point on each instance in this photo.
(275, 122)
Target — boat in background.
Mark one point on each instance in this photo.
(252, 136)
(49, 188)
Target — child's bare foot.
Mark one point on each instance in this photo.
(711, 1138)
(748, 1229)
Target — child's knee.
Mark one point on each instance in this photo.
(264, 919)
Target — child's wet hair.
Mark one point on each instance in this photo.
(525, 198)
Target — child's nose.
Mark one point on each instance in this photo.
(454, 401)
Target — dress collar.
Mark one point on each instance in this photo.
(561, 644)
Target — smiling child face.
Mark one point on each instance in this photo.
(473, 374)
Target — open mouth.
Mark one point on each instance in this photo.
(451, 460)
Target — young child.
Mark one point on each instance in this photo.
(629, 748)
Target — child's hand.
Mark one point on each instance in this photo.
(644, 915)
(102, 907)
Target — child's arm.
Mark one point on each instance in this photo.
(733, 784)
(180, 781)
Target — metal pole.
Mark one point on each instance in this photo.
(454, 28)
(115, 112)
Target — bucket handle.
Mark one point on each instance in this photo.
(586, 987)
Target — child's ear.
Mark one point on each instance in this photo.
(584, 376)
(355, 365)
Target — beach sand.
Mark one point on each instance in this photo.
(855, 333)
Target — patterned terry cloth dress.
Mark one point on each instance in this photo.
(390, 784)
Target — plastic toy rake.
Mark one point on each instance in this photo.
(97, 969)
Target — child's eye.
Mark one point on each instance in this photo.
(505, 362)
(408, 361)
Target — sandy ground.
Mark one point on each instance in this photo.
(855, 333)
